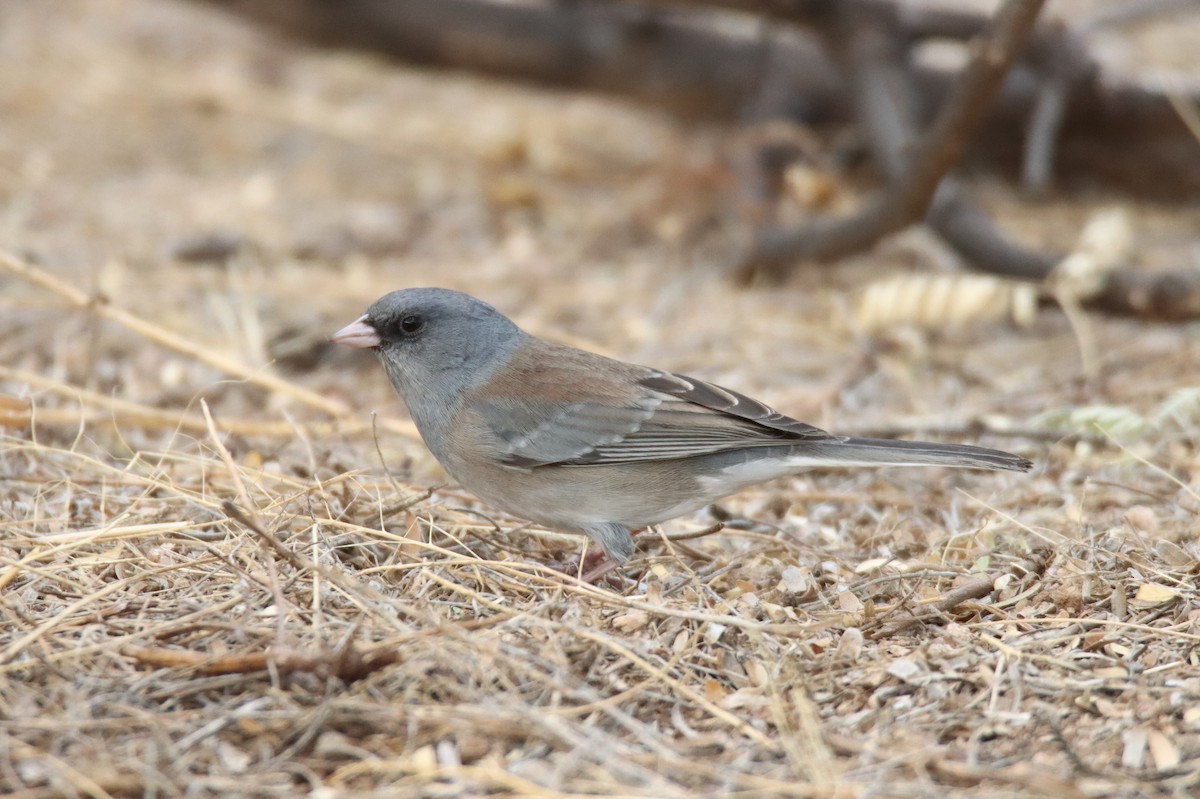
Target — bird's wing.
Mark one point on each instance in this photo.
(574, 408)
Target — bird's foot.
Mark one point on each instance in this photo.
(602, 568)
(597, 567)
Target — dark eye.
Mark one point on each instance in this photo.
(411, 325)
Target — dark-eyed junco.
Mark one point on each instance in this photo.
(583, 443)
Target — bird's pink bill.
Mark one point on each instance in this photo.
(357, 334)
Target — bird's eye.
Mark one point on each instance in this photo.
(411, 325)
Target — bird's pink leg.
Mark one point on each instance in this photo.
(603, 564)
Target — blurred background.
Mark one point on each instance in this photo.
(216, 172)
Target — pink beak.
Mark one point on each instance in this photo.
(357, 334)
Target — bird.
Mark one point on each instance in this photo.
(583, 443)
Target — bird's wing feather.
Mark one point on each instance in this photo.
(593, 411)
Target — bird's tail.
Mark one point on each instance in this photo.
(885, 452)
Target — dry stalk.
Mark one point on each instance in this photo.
(82, 301)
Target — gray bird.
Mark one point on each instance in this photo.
(583, 443)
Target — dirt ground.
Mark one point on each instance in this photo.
(224, 571)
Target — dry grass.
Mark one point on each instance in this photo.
(221, 575)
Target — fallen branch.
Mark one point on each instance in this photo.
(916, 179)
(885, 88)
(701, 60)
(347, 664)
(976, 588)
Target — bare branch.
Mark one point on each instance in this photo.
(914, 180)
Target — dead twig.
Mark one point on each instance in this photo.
(912, 187)
(885, 88)
(97, 407)
(976, 588)
(83, 301)
(348, 664)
